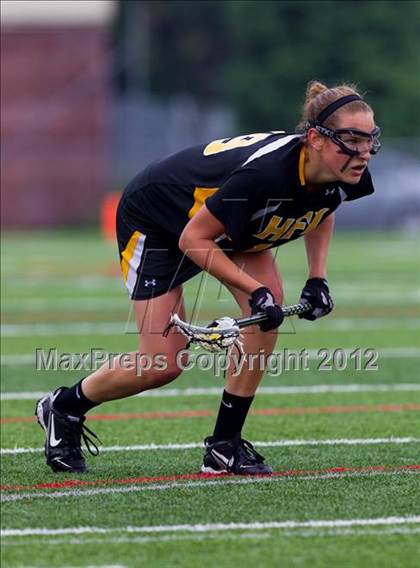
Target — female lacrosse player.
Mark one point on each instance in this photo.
(221, 207)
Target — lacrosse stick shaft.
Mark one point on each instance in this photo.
(287, 312)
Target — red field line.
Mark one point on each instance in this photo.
(68, 483)
(258, 412)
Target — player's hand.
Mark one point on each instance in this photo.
(262, 300)
(316, 293)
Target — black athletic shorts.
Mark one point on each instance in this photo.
(151, 262)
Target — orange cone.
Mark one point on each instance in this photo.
(108, 214)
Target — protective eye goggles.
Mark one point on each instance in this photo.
(352, 141)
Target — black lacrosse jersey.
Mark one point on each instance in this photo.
(253, 184)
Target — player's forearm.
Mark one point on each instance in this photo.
(209, 256)
(317, 246)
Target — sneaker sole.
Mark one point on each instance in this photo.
(40, 415)
(265, 473)
(208, 469)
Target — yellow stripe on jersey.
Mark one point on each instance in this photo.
(301, 166)
(225, 144)
(128, 253)
(200, 195)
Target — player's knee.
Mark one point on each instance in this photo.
(164, 377)
(277, 291)
(167, 371)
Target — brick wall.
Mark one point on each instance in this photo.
(54, 119)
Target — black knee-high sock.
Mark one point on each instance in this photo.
(232, 414)
(73, 401)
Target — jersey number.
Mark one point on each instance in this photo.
(238, 142)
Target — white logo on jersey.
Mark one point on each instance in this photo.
(148, 283)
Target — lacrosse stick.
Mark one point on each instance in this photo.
(224, 333)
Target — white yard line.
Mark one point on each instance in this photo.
(147, 539)
(120, 328)
(217, 391)
(209, 527)
(306, 533)
(59, 329)
(313, 354)
(268, 444)
(367, 324)
(80, 492)
(344, 297)
(79, 565)
(21, 359)
(365, 291)
(108, 303)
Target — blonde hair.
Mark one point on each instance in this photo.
(319, 96)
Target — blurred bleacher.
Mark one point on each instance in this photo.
(69, 138)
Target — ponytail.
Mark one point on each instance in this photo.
(319, 96)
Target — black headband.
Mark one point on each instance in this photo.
(323, 115)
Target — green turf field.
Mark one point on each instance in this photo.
(344, 444)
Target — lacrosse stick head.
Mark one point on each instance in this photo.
(221, 335)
